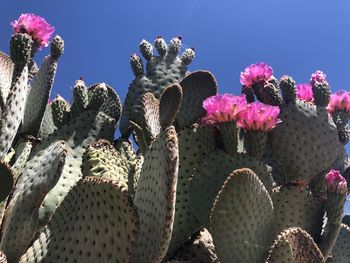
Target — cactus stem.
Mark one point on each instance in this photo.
(228, 132)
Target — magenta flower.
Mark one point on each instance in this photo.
(259, 117)
(339, 101)
(304, 92)
(255, 73)
(336, 182)
(36, 27)
(318, 76)
(223, 108)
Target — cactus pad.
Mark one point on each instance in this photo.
(194, 144)
(196, 87)
(150, 117)
(170, 102)
(242, 219)
(296, 207)
(78, 134)
(110, 105)
(6, 71)
(60, 110)
(302, 248)
(212, 173)
(101, 159)
(305, 141)
(161, 71)
(47, 125)
(341, 249)
(21, 216)
(38, 96)
(12, 114)
(80, 97)
(102, 228)
(23, 150)
(155, 197)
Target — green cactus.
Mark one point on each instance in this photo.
(191, 193)
(40, 90)
(341, 249)
(294, 245)
(20, 221)
(161, 71)
(305, 142)
(211, 175)
(6, 73)
(78, 134)
(103, 228)
(236, 239)
(155, 197)
(307, 210)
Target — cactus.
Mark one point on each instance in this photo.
(259, 177)
(161, 71)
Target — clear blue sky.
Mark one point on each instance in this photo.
(295, 37)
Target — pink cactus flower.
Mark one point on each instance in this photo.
(318, 76)
(49, 101)
(339, 101)
(223, 108)
(335, 182)
(256, 72)
(304, 92)
(259, 117)
(36, 27)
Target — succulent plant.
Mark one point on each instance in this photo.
(259, 177)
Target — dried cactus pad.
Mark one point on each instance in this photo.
(296, 246)
(212, 173)
(295, 207)
(155, 197)
(161, 71)
(150, 117)
(242, 219)
(201, 249)
(6, 70)
(96, 222)
(306, 142)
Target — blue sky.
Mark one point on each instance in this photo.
(295, 37)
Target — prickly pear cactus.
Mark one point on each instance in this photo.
(215, 178)
(162, 70)
(78, 134)
(103, 228)
(306, 139)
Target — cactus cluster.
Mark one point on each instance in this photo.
(255, 178)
